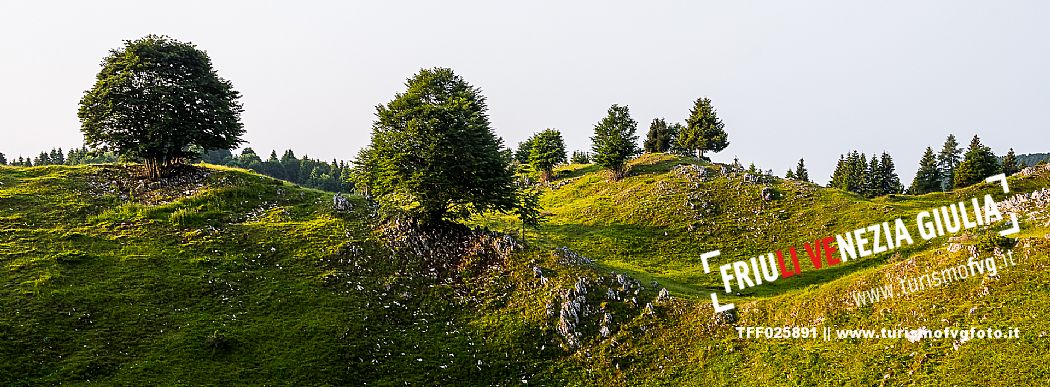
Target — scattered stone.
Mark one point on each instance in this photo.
(664, 294)
(341, 203)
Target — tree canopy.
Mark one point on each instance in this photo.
(159, 100)
(659, 137)
(548, 150)
(434, 153)
(614, 141)
(703, 130)
(928, 177)
(978, 163)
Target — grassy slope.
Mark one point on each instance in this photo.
(233, 277)
(236, 277)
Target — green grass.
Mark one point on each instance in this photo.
(230, 277)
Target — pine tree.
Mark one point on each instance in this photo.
(858, 172)
(580, 157)
(928, 177)
(1010, 166)
(614, 141)
(42, 159)
(947, 160)
(978, 163)
(659, 137)
(838, 176)
(890, 182)
(790, 174)
(873, 178)
(703, 131)
(3, 160)
(800, 171)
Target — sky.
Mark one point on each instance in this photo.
(789, 79)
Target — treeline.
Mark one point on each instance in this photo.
(304, 171)
(953, 168)
(615, 141)
(307, 172)
(1033, 159)
(56, 156)
(855, 173)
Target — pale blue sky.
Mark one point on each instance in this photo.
(790, 79)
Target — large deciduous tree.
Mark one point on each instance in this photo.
(548, 150)
(434, 153)
(614, 141)
(159, 100)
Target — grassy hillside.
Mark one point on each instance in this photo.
(225, 276)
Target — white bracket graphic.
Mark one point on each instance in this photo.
(1013, 217)
(707, 269)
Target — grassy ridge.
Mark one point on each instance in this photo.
(225, 276)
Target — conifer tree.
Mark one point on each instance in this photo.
(790, 174)
(580, 157)
(873, 178)
(1010, 165)
(947, 160)
(801, 173)
(703, 131)
(890, 183)
(3, 160)
(659, 137)
(928, 177)
(978, 163)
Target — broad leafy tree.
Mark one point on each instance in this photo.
(154, 98)
(614, 141)
(548, 150)
(703, 131)
(434, 153)
(978, 163)
(928, 177)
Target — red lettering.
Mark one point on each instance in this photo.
(814, 253)
(829, 251)
(794, 261)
